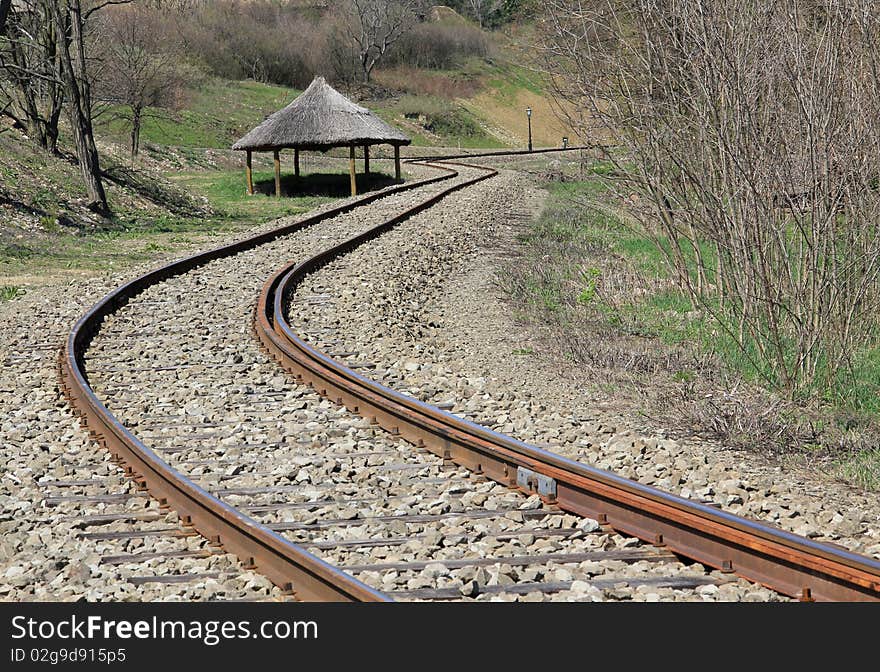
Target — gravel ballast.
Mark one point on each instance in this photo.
(70, 520)
(179, 364)
(414, 309)
(420, 308)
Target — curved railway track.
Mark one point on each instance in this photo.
(283, 526)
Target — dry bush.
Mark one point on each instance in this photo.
(286, 44)
(678, 385)
(420, 82)
(332, 53)
(748, 131)
(742, 417)
(438, 46)
(253, 40)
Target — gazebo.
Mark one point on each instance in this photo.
(318, 119)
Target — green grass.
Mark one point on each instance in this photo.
(126, 241)
(151, 215)
(15, 252)
(577, 219)
(135, 236)
(579, 215)
(580, 243)
(216, 114)
(861, 468)
(455, 125)
(226, 191)
(860, 390)
(10, 292)
(219, 112)
(506, 78)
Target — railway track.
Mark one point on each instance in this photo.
(330, 500)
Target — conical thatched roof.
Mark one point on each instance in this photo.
(320, 118)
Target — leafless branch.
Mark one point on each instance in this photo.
(743, 135)
(102, 5)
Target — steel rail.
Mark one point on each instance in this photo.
(501, 152)
(785, 562)
(285, 563)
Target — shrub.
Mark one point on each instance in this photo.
(251, 41)
(438, 46)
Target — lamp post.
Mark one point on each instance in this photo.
(529, 116)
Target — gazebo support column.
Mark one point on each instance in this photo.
(277, 158)
(296, 162)
(351, 170)
(397, 162)
(249, 174)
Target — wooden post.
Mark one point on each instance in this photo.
(397, 162)
(249, 174)
(296, 162)
(351, 169)
(277, 173)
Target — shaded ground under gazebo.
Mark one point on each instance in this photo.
(319, 119)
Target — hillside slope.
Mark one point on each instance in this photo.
(480, 101)
(186, 176)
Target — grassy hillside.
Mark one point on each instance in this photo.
(482, 105)
(216, 113)
(187, 179)
(481, 102)
(48, 236)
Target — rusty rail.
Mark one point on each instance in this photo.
(788, 563)
(285, 563)
(500, 152)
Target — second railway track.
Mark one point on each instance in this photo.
(325, 502)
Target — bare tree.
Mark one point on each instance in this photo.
(484, 10)
(68, 20)
(744, 136)
(375, 25)
(31, 81)
(137, 72)
(43, 58)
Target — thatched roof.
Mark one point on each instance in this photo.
(321, 118)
